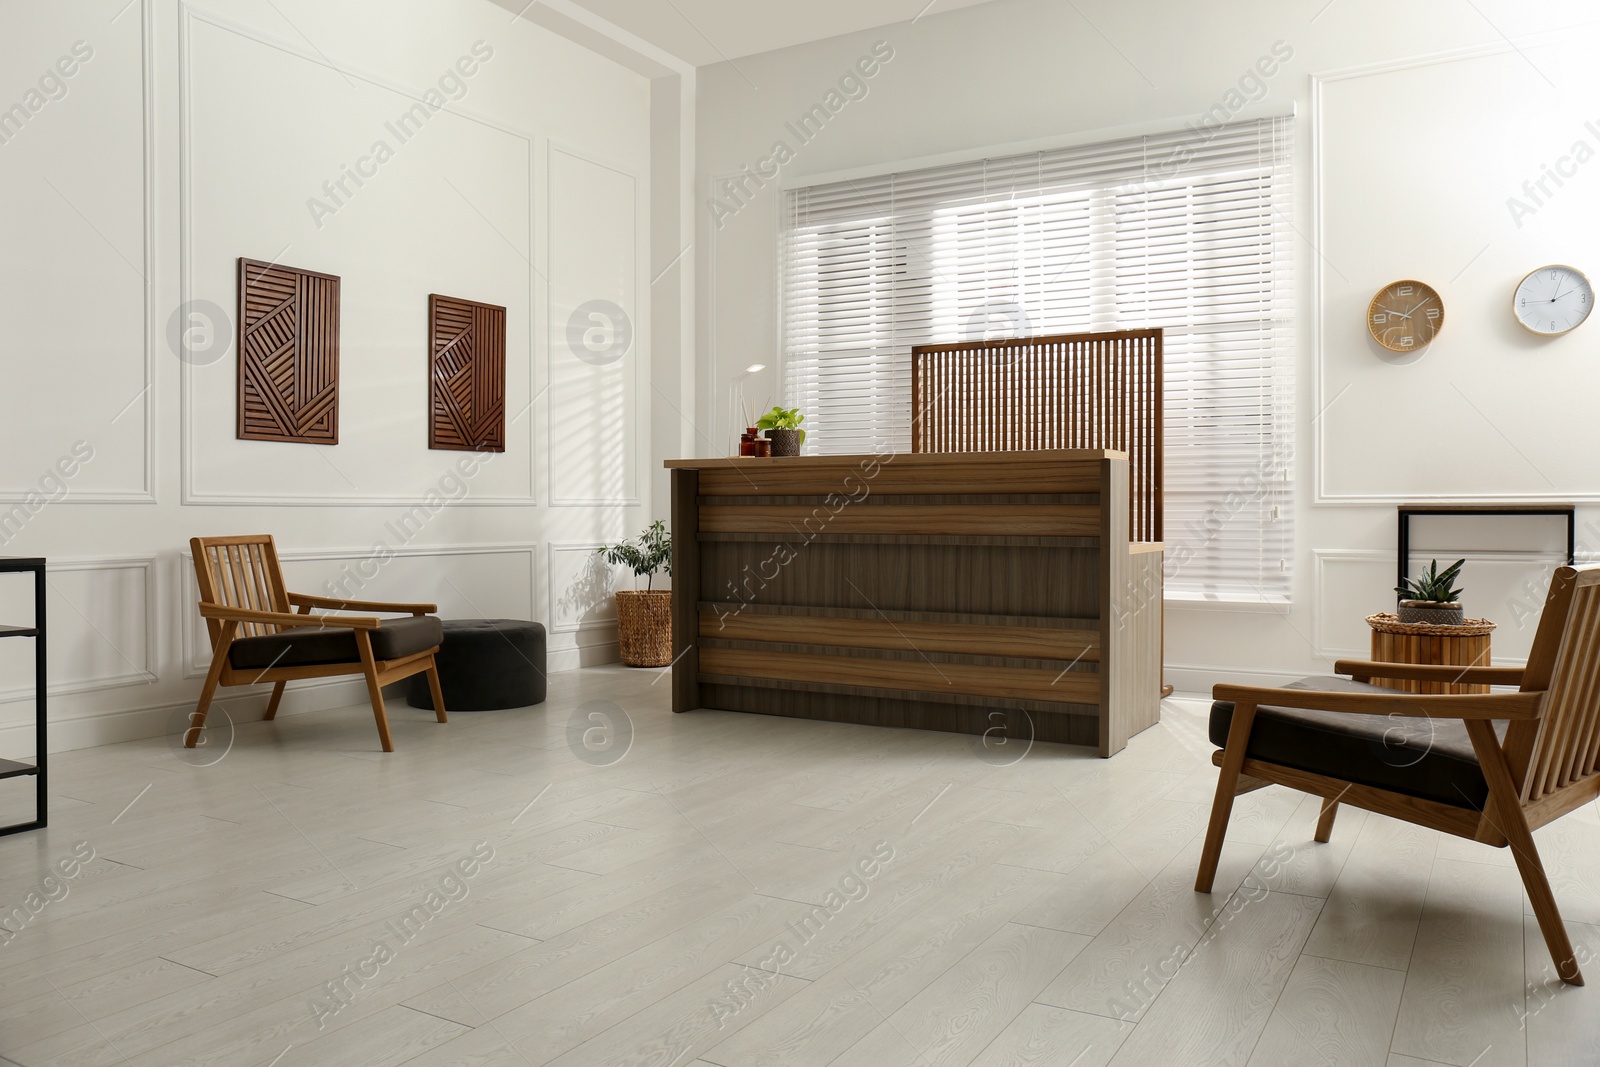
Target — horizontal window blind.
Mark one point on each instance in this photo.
(1190, 231)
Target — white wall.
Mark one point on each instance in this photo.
(1416, 123)
(189, 135)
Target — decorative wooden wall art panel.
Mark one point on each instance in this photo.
(466, 375)
(288, 354)
(1089, 390)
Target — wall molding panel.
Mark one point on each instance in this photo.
(349, 495)
(565, 295)
(1346, 581)
(1326, 395)
(67, 617)
(145, 400)
(584, 596)
(91, 728)
(1195, 682)
(1379, 560)
(185, 135)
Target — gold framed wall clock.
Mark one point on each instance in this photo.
(1405, 316)
(1553, 300)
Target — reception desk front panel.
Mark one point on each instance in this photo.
(986, 593)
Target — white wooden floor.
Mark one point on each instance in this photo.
(633, 913)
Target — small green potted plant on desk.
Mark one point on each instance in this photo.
(644, 616)
(783, 430)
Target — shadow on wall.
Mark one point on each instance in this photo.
(585, 599)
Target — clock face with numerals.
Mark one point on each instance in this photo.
(1405, 316)
(1553, 300)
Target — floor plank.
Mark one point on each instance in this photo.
(848, 1002)
(1089, 897)
(1570, 849)
(745, 890)
(1296, 863)
(1464, 992)
(1043, 1036)
(395, 1035)
(1374, 908)
(1332, 1012)
(686, 1023)
(1121, 972)
(491, 990)
(582, 1009)
(1215, 1008)
(480, 1047)
(1563, 1029)
(969, 1005)
(129, 987)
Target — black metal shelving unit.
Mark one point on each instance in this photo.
(13, 768)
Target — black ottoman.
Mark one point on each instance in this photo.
(485, 665)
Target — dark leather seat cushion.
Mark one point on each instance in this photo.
(1431, 758)
(305, 646)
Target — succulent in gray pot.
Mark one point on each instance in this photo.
(1432, 596)
(783, 430)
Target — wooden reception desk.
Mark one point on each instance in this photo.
(987, 592)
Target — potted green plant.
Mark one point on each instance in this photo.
(644, 616)
(1432, 596)
(783, 430)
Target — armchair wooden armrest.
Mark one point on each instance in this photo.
(223, 613)
(1465, 706)
(1365, 670)
(305, 600)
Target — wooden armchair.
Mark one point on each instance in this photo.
(256, 638)
(1437, 761)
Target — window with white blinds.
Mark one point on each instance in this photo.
(1190, 231)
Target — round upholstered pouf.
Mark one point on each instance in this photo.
(485, 665)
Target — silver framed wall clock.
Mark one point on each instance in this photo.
(1553, 300)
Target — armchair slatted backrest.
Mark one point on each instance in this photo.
(1560, 752)
(240, 572)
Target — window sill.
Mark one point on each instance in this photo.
(1233, 602)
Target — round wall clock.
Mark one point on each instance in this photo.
(1405, 316)
(1553, 300)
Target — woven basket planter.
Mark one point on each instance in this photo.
(644, 627)
(1466, 645)
(1388, 623)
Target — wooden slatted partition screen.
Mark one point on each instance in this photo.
(1087, 390)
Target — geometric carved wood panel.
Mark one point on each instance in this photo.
(466, 375)
(288, 354)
